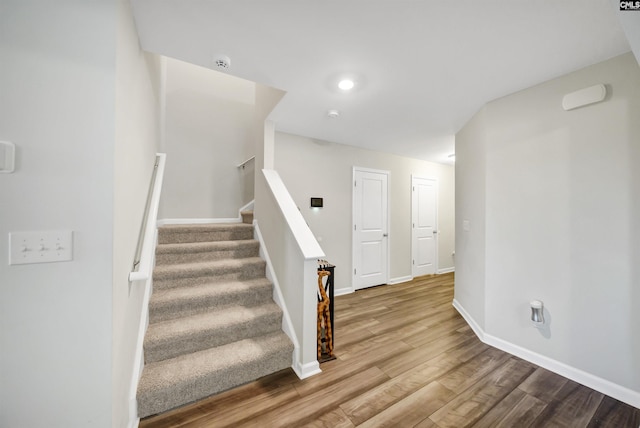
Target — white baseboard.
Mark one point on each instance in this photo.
(306, 370)
(134, 420)
(599, 384)
(168, 221)
(594, 382)
(446, 270)
(342, 291)
(469, 319)
(392, 281)
(400, 279)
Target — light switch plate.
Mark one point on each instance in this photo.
(40, 247)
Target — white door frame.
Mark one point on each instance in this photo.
(437, 232)
(354, 244)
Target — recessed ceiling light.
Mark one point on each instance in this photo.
(333, 114)
(346, 84)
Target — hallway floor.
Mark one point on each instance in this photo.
(406, 358)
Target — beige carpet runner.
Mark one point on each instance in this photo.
(213, 324)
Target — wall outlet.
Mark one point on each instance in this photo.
(40, 247)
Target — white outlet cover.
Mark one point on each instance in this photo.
(40, 247)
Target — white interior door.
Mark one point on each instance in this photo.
(370, 228)
(424, 237)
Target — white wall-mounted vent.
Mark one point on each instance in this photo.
(583, 97)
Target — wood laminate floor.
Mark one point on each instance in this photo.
(406, 358)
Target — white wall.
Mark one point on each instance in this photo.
(312, 168)
(561, 205)
(630, 21)
(470, 217)
(209, 118)
(136, 142)
(57, 88)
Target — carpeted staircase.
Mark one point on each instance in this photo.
(213, 324)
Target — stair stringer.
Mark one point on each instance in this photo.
(303, 371)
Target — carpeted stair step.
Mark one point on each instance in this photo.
(206, 251)
(188, 274)
(247, 217)
(170, 303)
(169, 339)
(181, 233)
(213, 324)
(187, 378)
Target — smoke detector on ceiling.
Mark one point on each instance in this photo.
(333, 114)
(221, 62)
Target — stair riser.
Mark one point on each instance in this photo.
(204, 236)
(185, 344)
(183, 308)
(177, 258)
(212, 383)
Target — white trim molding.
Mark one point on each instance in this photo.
(604, 386)
(342, 291)
(469, 319)
(446, 270)
(399, 280)
(167, 221)
(306, 370)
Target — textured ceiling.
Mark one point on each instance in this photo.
(422, 67)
